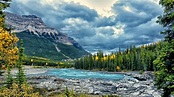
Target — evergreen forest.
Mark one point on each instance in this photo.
(131, 59)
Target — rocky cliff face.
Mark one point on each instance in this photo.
(36, 26)
(43, 41)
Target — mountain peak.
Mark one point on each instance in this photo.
(43, 41)
(35, 25)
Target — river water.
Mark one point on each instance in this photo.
(82, 74)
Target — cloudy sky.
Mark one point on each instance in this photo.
(98, 24)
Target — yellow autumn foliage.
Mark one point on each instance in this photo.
(61, 63)
(117, 68)
(15, 91)
(1, 22)
(96, 58)
(105, 58)
(92, 57)
(112, 56)
(8, 48)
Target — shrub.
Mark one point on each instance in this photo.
(15, 91)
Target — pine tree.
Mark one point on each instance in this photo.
(3, 5)
(165, 61)
(20, 77)
(9, 78)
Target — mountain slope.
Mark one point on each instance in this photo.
(43, 41)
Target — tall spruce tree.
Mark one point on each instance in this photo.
(165, 61)
(20, 77)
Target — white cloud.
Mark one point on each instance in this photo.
(103, 7)
(127, 8)
(74, 21)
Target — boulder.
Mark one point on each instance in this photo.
(128, 87)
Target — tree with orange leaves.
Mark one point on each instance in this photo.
(8, 41)
(8, 47)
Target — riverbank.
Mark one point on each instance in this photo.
(30, 70)
(134, 84)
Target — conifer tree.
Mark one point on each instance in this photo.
(165, 61)
(9, 78)
(3, 5)
(20, 77)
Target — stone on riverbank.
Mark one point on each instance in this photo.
(128, 87)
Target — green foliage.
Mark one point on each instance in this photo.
(110, 96)
(9, 78)
(166, 20)
(67, 93)
(165, 73)
(8, 49)
(20, 77)
(165, 61)
(133, 58)
(141, 72)
(15, 91)
(40, 62)
(3, 5)
(45, 48)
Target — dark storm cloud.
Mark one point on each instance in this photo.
(78, 28)
(51, 15)
(139, 18)
(107, 30)
(146, 32)
(27, 8)
(136, 12)
(104, 21)
(71, 18)
(74, 10)
(136, 19)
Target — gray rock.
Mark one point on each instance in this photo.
(91, 90)
(36, 26)
(48, 85)
(156, 94)
(145, 95)
(128, 87)
(97, 92)
(172, 95)
(141, 77)
(135, 94)
(149, 91)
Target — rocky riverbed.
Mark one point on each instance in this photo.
(133, 85)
